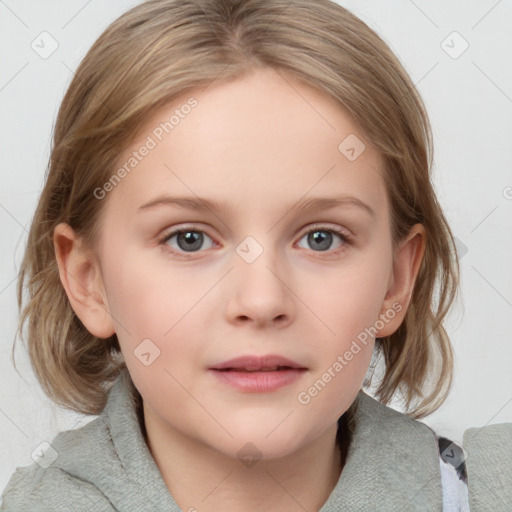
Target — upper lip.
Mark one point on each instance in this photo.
(253, 362)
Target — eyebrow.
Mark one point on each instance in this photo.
(202, 204)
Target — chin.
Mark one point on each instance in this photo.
(265, 444)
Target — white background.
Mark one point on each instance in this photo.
(469, 99)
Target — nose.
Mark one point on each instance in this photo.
(260, 292)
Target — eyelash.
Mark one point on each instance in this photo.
(344, 236)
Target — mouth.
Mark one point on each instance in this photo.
(266, 369)
(255, 374)
(269, 363)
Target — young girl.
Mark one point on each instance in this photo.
(237, 234)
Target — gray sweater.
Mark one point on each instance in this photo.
(106, 466)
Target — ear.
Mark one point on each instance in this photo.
(406, 264)
(81, 278)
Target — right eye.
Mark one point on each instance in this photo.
(185, 240)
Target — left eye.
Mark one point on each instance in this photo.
(322, 238)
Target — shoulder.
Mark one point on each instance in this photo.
(384, 438)
(50, 490)
(423, 459)
(489, 466)
(52, 482)
(403, 438)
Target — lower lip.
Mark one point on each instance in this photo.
(259, 382)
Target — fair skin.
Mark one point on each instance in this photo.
(260, 146)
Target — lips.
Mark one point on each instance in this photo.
(266, 363)
(258, 374)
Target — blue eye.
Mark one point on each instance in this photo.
(321, 238)
(188, 240)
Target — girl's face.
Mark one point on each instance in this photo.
(244, 278)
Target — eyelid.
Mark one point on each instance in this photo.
(321, 226)
(315, 226)
(186, 227)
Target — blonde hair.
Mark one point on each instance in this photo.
(164, 48)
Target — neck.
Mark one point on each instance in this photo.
(201, 478)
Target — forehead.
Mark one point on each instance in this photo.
(263, 138)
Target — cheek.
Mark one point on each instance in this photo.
(349, 299)
(349, 307)
(156, 324)
(332, 390)
(148, 298)
(349, 311)
(157, 302)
